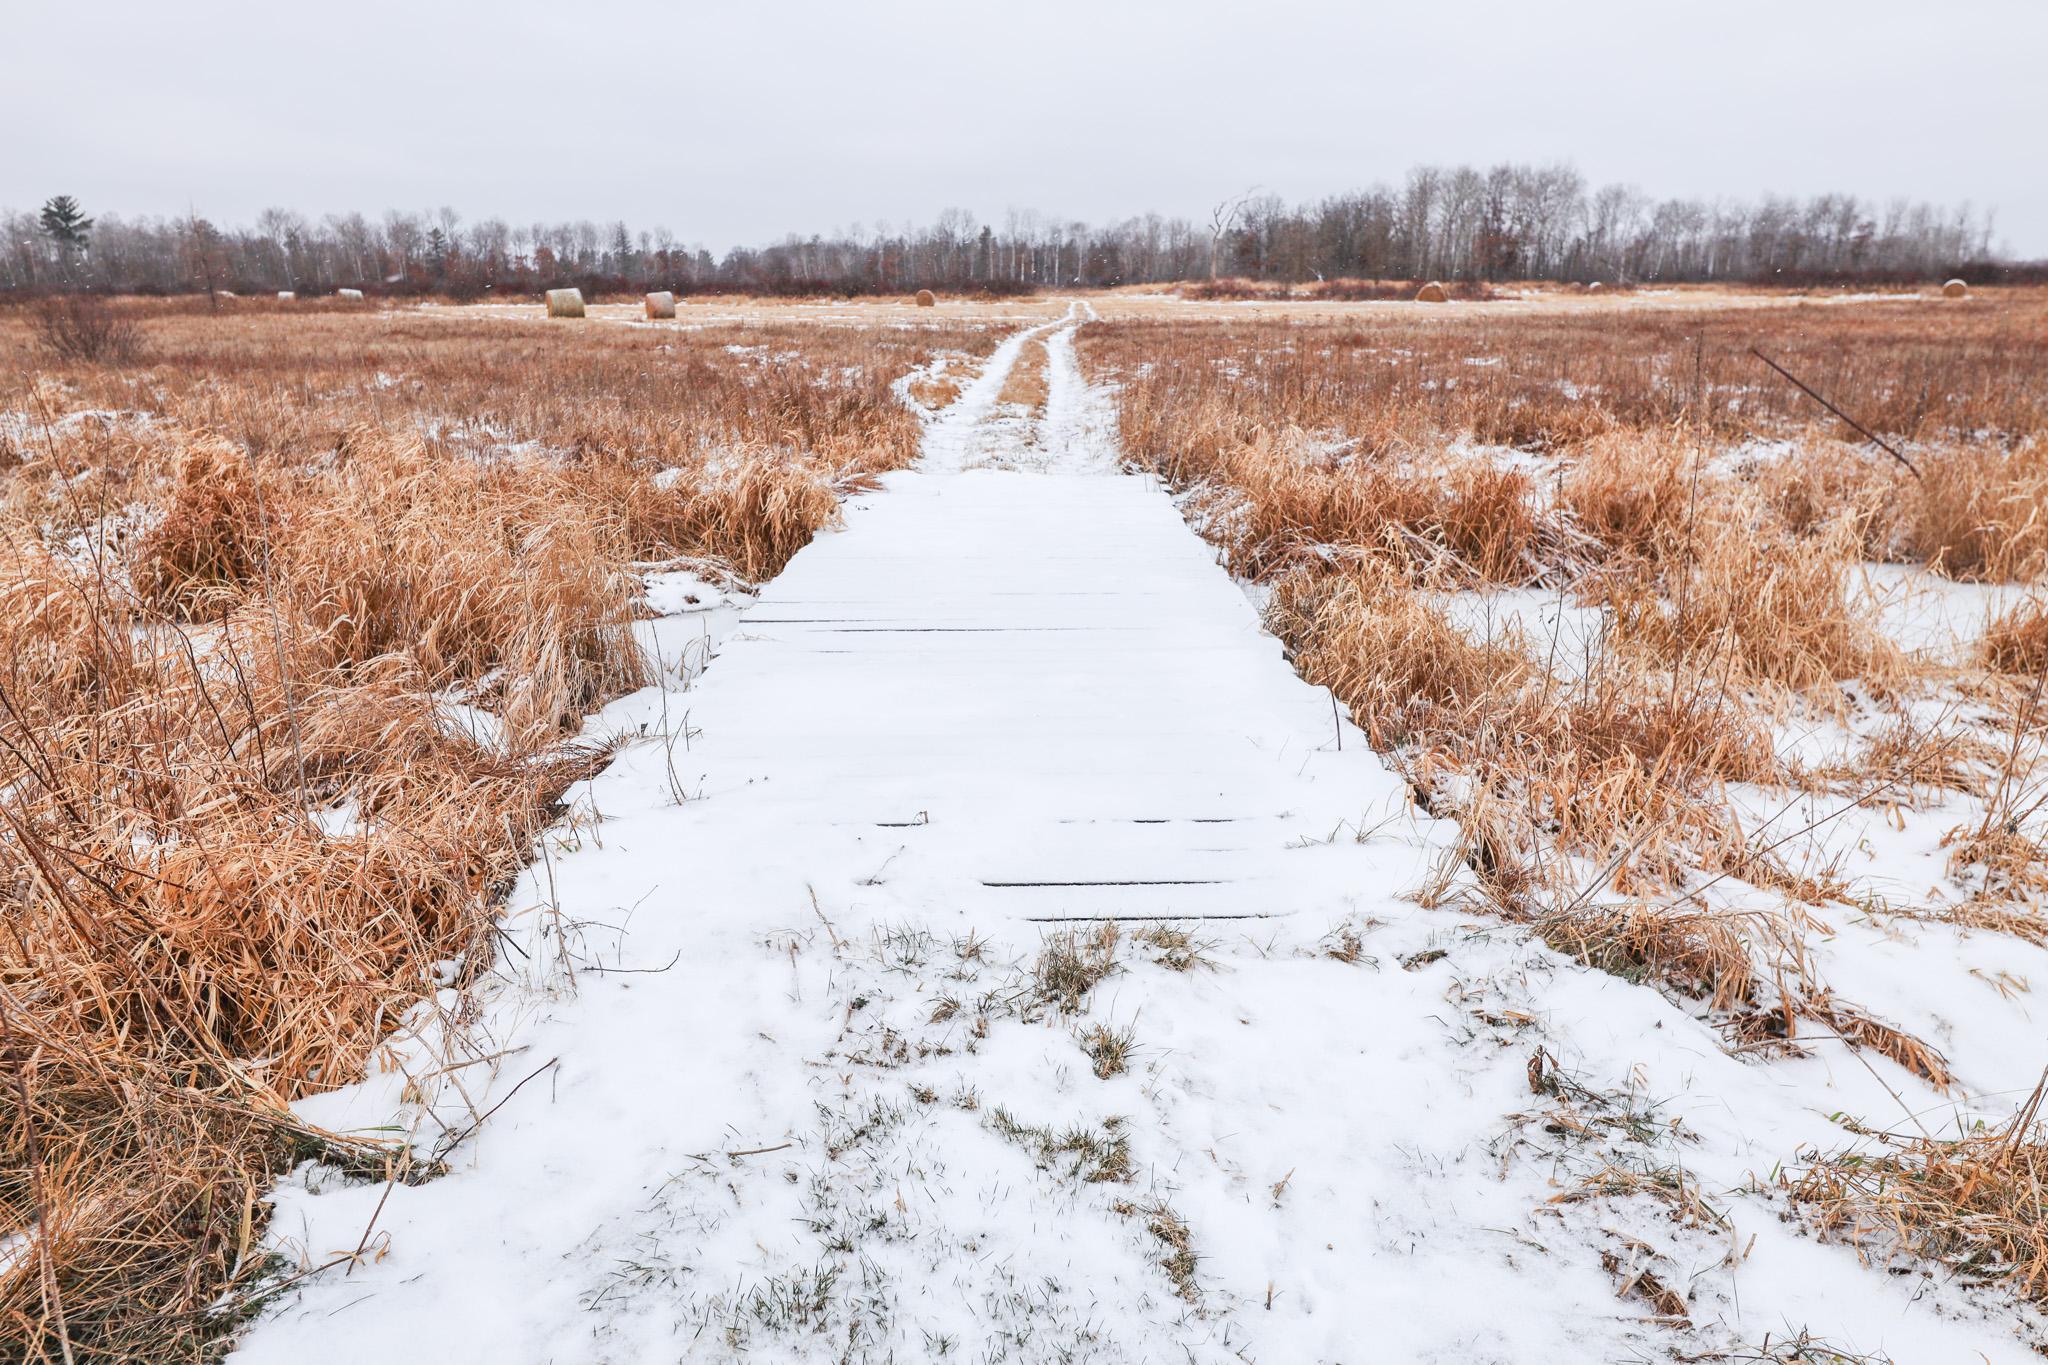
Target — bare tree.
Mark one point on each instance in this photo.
(1222, 218)
(1509, 221)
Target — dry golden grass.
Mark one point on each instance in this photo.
(1621, 769)
(1355, 461)
(2016, 640)
(1277, 497)
(1557, 375)
(1972, 1205)
(1634, 492)
(1759, 606)
(1982, 513)
(1025, 385)
(251, 604)
(934, 392)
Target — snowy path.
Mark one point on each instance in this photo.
(867, 1079)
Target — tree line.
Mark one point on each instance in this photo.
(1511, 222)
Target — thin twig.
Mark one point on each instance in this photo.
(452, 1143)
(1866, 432)
(44, 1229)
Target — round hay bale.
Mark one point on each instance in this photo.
(285, 296)
(1955, 289)
(927, 299)
(1593, 288)
(565, 303)
(1432, 293)
(349, 295)
(661, 304)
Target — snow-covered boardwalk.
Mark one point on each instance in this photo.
(851, 1070)
(1010, 697)
(995, 701)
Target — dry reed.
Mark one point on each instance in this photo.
(1340, 464)
(239, 823)
(1975, 1205)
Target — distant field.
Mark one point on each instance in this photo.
(1164, 302)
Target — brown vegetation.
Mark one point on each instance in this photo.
(79, 327)
(1970, 1204)
(241, 589)
(1618, 460)
(1024, 387)
(242, 584)
(1338, 290)
(2016, 641)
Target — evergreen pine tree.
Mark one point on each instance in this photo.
(67, 227)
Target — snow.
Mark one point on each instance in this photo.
(16, 1247)
(770, 1074)
(1928, 614)
(342, 819)
(483, 728)
(692, 614)
(22, 429)
(1552, 628)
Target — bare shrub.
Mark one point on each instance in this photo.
(79, 327)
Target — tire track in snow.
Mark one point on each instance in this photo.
(1075, 434)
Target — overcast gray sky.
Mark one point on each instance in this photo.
(737, 122)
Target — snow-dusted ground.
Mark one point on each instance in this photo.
(1935, 616)
(838, 1077)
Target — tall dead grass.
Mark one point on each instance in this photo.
(2016, 640)
(1278, 497)
(1618, 766)
(1553, 379)
(186, 949)
(242, 829)
(1358, 468)
(1759, 608)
